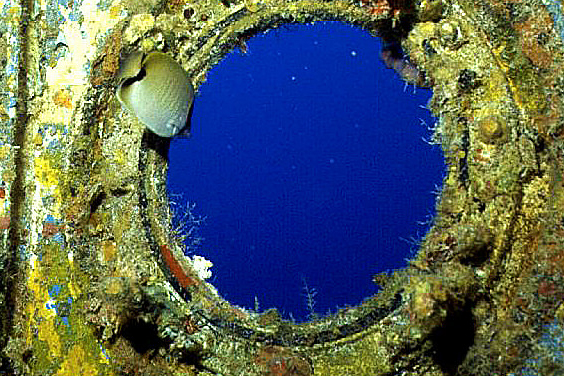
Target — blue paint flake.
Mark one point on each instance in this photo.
(553, 341)
(62, 308)
(22, 252)
(554, 7)
(54, 291)
(549, 353)
(104, 352)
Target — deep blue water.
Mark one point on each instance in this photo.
(307, 160)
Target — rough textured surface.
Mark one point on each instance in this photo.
(94, 281)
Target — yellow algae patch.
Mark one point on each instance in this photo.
(48, 334)
(63, 98)
(38, 311)
(364, 357)
(140, 23)
(109, 250)
(74, 290)
(77, 363)
(115, 286)
(4, 151)
(120, 157)
(15, 13)
(45, 173)
(252, 5)
(38, 139)
(61, 340)
(115, 11)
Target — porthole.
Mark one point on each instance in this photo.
(249, 323)
(294, 161)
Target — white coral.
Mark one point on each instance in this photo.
(202, 266)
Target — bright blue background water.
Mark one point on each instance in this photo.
(307, 159)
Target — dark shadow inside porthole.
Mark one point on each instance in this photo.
(307, 172)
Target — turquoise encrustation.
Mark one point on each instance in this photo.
(157, 90)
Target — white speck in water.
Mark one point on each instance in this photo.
(353, 53)
(293, 78)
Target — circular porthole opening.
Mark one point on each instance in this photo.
(308, 162)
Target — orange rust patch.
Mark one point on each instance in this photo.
(176, 4)
(50, 229)
(532, 32)
(107, 64)
(280, 361)
(482, 155)
(63, 98)
(176, 269)
(4, 222)
(379, 7)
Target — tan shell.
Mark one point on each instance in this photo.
(156, 89)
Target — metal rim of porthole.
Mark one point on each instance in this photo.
(449, 283)
(156, 208)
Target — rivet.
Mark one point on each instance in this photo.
(449, 34)
(491, 129)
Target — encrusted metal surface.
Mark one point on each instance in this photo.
(94, 279)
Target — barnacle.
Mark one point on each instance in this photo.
(491, 128)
